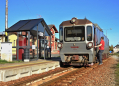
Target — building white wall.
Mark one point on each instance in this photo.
(116, 50)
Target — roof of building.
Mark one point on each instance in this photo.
(30, 24)
(53, 26)
(56, 38)
(117, 46)
(78, 22)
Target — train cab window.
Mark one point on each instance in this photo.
(75, 33)
(61, 34)
(89, 33)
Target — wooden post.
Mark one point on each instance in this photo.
(6, 21)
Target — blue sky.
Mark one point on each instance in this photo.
(103, 12)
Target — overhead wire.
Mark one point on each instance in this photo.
(30, 10)
(27, 6)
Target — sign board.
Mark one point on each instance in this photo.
(40, 34)
(27, 36)
(33, 47)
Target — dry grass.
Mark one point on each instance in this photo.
(117, 75)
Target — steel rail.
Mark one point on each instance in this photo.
(51, 82)
(22, 83)
(63, 77)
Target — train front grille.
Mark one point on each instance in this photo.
(76, 57)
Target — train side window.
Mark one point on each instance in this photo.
(89, 33)
(61, 34)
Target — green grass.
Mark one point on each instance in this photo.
(117, 71)
(117, 75)
(115, 54)
(4, 61)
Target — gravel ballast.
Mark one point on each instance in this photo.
(103, 75)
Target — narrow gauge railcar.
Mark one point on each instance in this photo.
(77, 40)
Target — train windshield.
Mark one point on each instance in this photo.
(75, 33)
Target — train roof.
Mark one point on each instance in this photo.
(78, 22)
(96, 25)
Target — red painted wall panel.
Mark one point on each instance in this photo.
(22, 42)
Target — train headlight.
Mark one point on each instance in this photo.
(90, 45)
(73, 20)
(59, 45)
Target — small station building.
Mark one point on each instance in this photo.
(30, 33)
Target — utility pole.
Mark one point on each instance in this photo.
(106, 30)
(6, 21)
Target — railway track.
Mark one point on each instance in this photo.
(68, 77)
(64, 76)
(41, 77)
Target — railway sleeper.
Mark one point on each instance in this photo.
(63, 84)
(73, 75)
(67, 81)
(71, 78)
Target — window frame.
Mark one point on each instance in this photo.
(61, 32)
(88, 33)
(74, 27)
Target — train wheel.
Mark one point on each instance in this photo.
(85, 64)
(61, 64)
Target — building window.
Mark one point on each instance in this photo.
(52, 48)
(14, 42)
(55, 45)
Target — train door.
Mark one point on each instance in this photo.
(95, 41)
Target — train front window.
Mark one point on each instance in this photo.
(89, 33)
(75, 33)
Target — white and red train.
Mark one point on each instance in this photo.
(77, 40)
